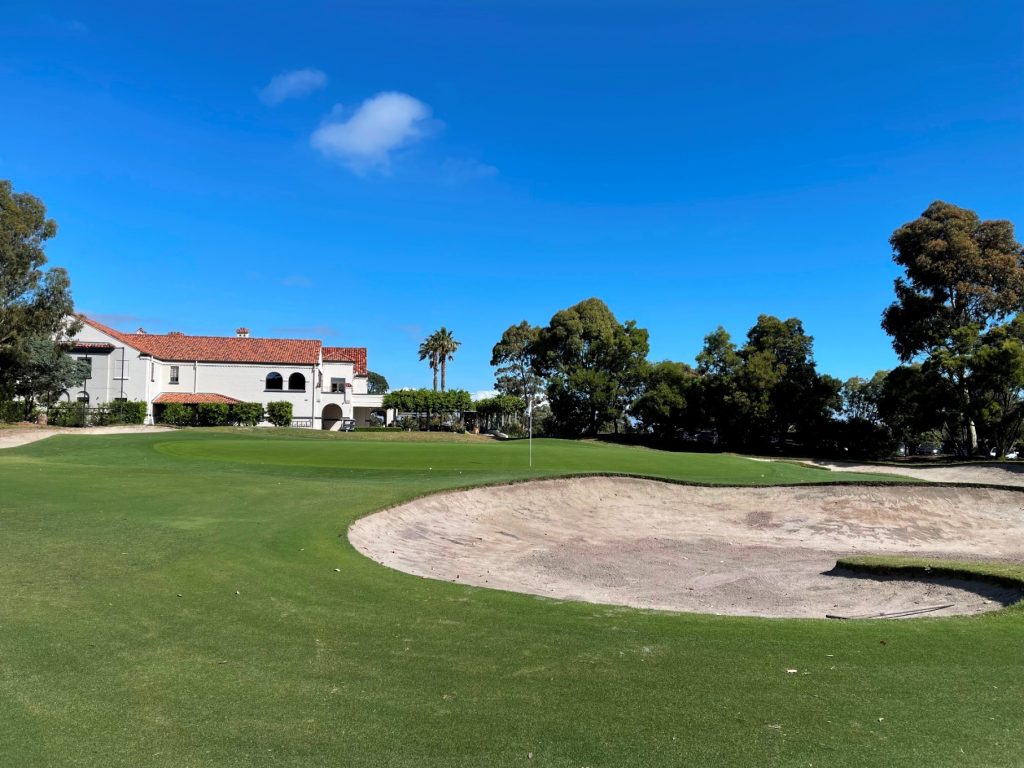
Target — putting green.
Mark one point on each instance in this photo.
(191, 599)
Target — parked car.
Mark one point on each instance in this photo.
(348, 425)
(927, 449)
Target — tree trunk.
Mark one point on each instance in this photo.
(433, 366)
(444, 370)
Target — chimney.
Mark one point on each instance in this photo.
(242, 333)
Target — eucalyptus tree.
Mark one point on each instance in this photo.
(963, 278)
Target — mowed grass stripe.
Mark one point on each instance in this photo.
(102, 663)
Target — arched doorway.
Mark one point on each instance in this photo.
(331, 417)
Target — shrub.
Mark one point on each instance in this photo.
(11, 411)
(127, 411)
(213, 414)
(68, 414)
(408, 423)
(178, 414)
(279, 413)
(247, 414)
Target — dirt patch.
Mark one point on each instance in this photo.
(12, 438)
(739, 551)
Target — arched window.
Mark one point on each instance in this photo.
(275, 381)
(297, 381)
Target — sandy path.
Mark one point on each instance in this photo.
(985, 474)
(12, 438)
(743, 551)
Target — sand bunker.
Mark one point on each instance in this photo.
(739, 551)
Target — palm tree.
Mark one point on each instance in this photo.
(445, 346)
(428, 352)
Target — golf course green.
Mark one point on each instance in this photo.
(190, 598)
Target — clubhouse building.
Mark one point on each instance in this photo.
(323, 384)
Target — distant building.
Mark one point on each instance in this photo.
(323, 384)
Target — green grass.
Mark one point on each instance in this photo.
(102, 663)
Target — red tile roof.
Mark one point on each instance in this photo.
(195, 398)
(355, 355)
(92, 345)
(217, 349)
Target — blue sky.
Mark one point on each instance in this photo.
(366, 172)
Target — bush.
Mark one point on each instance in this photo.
(126, 411)
(11, 411)
(247, 414)
(279, 413)
(178, 414)
(68, 414)
(213, 414)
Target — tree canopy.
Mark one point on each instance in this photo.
(513, 358)
(594, 366)
(376, 384)
(963, 280)
(35, 303)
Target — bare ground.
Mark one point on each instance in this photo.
(739, 551)
(15, 436)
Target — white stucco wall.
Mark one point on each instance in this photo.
(146, 379)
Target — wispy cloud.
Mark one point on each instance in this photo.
(366, 138)
(292, 84)
(457, 170)
(483, 394)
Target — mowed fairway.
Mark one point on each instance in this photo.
(123, 641)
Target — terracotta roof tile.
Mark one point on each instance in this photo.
(355, 355)
(195, 398)
(217, 349)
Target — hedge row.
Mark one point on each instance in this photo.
(211, 414)
(81, 415)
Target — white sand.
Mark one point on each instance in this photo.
(743, 551)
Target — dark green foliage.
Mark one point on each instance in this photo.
(127, 411)
(963, 277)
(247, 414)
(12, 411)
(427, 401)
(663, 406)
(376, 384)
(500, 411)
(594, 366)
(769, 391)
(68, 414)
(279, 413)
(213, 414)
(34, 302)
(177, 414)
(513, 356)
(45, 371)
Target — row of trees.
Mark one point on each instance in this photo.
(956, 325)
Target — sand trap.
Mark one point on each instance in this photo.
(739, 551)
(994, 473)
(15, 436)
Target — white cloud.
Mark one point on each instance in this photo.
(379, 126)
(292, 85)
(484, 394)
